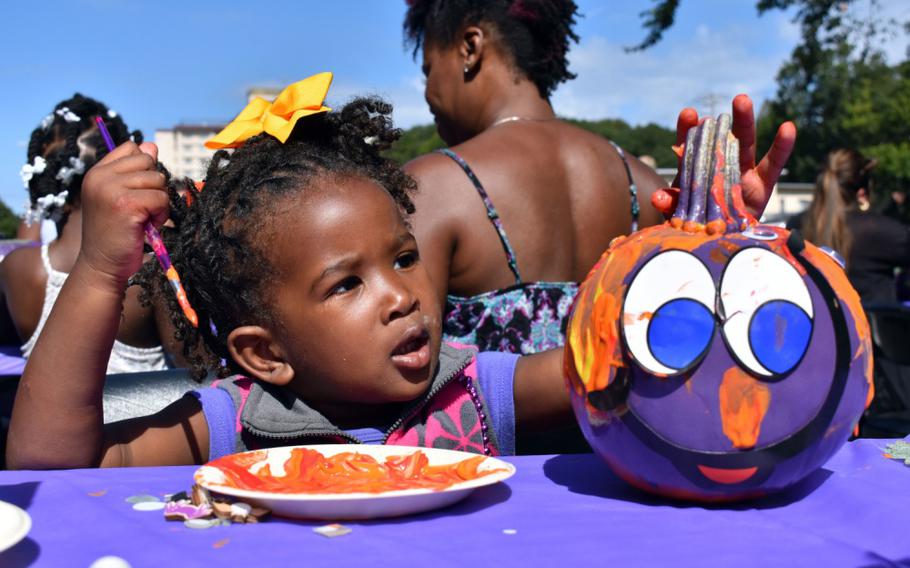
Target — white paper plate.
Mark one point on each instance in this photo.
(351, 506)
(14, 525)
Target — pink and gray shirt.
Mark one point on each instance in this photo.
(469, 406)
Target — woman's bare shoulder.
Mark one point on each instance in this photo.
(441, 184)
(426, 165)
(22, 267)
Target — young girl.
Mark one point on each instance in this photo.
(311, 296)
(61, 149)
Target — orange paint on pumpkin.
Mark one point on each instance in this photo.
(744, 402)
(716, 227)
(727, 476)
(740, 205)
(847, 295)
(594, 346)
(692, 227)
(717, 187)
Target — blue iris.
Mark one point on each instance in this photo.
(680, 331)
(779, 335)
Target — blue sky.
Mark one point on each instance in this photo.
(164, 62)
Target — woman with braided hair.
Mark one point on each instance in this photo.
(61, 150)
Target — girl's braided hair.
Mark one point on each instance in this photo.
(66, 136)
(536, 33)
(219, 242)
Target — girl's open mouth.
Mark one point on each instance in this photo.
(413, 352)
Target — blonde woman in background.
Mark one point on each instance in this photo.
(840, 217)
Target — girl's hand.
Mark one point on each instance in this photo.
(757, 181)
(120, 194)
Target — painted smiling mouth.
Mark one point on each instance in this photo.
(413, 351)
(727, 476)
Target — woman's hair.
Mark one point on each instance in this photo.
(536, 33)
(220, 240)
(63, 148)
(845, 172)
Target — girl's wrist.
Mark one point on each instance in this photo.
(87, 274)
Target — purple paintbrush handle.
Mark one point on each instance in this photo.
(105, 134)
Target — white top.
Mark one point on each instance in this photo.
(124, 358)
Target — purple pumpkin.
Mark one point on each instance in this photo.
(713, 358)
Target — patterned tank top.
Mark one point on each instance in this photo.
(527, 317)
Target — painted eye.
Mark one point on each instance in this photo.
(767, 310)
(668, 313)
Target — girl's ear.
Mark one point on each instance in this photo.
(255, 349)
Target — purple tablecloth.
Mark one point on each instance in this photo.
(565, 511)
(11, 361)
(9, 245)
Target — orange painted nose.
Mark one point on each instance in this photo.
(744, 402)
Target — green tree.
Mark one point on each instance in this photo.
(415, 141)
(814, 16)
(9, 222)
(837, 86)
(845, 95)
(649, 139)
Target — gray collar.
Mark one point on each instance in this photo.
(275, 412)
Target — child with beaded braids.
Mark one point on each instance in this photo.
(312, 300)
(65, 145)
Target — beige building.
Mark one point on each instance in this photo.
(181, 149)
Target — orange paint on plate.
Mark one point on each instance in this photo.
(744, 402)
(308, 471)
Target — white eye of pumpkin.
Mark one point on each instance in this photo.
(668, 313)
(767, 311)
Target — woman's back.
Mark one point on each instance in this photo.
(561, 193)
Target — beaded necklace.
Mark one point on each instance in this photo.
(478, 405)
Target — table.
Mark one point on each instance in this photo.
(565, 510)
(11, 360)
(9, 245)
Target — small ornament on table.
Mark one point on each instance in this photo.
(200, 505)
(899, 450)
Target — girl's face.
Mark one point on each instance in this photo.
(359, 319)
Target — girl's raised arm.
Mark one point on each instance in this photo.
(57, 419)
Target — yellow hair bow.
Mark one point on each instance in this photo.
(303, 98)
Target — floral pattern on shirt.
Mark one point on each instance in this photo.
(525, 318)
